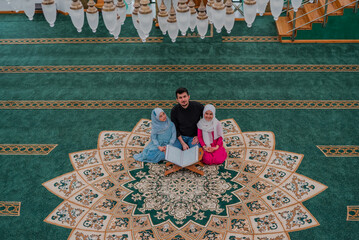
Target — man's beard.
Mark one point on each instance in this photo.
(184, 104)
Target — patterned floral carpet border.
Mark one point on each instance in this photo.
(13, 41)
(256, 193)
(10, 208)
(181, 68)
(26, 149)
(167, 104)
(353, 213)
(250, 39)
(339, 150)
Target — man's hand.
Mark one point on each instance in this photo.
(185, 146)
(195, 140)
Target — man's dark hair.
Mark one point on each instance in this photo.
(181, 90)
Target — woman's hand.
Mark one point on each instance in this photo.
(210, 149)
(162, 149)
(207, 149)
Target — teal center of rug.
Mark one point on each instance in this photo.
(182, 196)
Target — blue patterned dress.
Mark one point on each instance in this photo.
(151, 153)
(163, 133)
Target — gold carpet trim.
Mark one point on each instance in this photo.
(78, 40)
(168, 104)
(26, 149)
(250, 39)
(353, 213)
(14, 41)
(339, 151)
(180, 68)
(10, 208)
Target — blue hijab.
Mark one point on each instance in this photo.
(158, 126)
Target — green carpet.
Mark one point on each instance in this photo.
(297, 131)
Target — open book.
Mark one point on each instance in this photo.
(182, 158)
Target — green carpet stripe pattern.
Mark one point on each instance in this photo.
(340, 151)
(58, 86)
(78, 40)
(181, 68)
(10, 208)
(26, 149)
(353, 213)
(168, 104)
(249, 39)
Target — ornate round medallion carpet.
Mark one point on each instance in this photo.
(255, 194)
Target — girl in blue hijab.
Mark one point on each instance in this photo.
(163, 133)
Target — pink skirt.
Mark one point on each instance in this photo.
(216, 157)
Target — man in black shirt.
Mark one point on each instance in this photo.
(185, 116)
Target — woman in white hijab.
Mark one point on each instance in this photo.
(210, 136)
(163, 133)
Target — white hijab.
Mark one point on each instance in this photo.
(208, 127)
